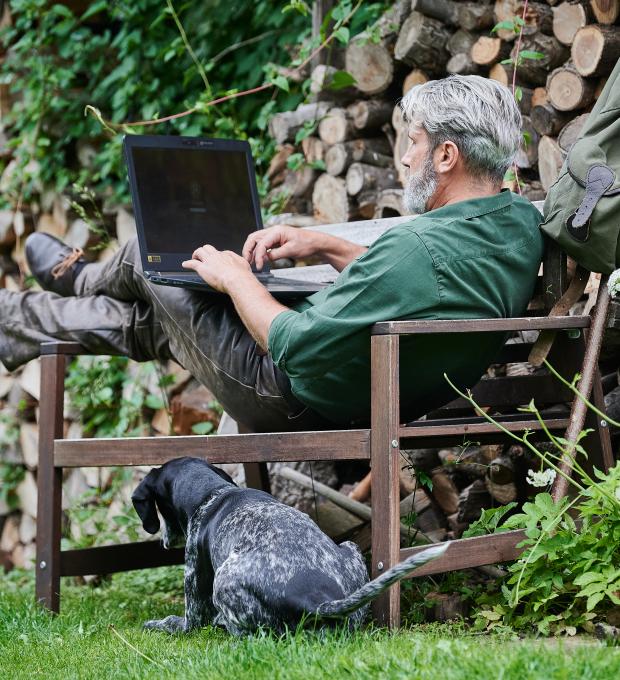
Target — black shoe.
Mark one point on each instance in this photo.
(53, 264)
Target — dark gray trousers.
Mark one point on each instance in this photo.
(116, 311)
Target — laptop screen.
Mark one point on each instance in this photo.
(192, 196)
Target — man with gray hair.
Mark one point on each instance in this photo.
(473, 252)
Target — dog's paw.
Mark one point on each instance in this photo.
(171, 624)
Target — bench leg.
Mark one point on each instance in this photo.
(384, 455)
(49, 483)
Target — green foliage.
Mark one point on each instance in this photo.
(11, 474)
(489, 521)
(129, 60)
(110, 400)
(569, 573)
(98, 517)
(141, 60)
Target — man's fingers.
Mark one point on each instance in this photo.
(250, 244)
(191, 264)
(203, 251)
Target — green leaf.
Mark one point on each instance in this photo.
(203, 428)
(340, 80)
(506, 61)
(507, 25)
(588, 577)
(342, 35)
(518, 93)
(281, 82)
(154, 401)
(95, 8)
(531, 54)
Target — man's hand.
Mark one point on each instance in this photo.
(220, 269)
(279, 241)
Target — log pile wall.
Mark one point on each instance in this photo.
(359, 136)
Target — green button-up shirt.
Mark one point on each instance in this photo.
(469, 260)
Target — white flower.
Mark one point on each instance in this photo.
(541, 478)
(613, 284)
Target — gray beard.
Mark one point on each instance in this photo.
(420, 187)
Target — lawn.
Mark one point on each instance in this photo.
(81, 643)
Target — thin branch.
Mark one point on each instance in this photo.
(577, 393)
(188, 47)
(243, 43)
(204, 105)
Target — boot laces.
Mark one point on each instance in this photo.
(66, 263)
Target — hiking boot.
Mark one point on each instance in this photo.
(53, 264)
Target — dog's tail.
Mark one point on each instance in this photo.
(372, 589)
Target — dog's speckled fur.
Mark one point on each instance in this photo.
(251, 561)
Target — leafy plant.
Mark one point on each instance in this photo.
(568, 575)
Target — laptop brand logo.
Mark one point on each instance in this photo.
(153, 258)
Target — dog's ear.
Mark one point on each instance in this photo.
(143, 499)
(222, 474)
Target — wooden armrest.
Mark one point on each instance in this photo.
(61, 347)
(526, 323)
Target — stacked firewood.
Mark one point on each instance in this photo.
(352, 157)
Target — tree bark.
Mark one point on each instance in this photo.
(362, 177)
(320, 81)
(337, 127)
(462, 64)
(369, 115)
(538, 17)
(461, 41)
(535, 70)
(596, 50)
(547, 120)
(421, 43)
(550, 160)
(503, 74)
(527, 156)
(568, 91)
(568, 18)
(372, 151)
(416, 77)
(390, 203)
(445, 11)
(571, 131)
(486, 51)
(605, 11)
(314, 149)
(475, 16)
(330, 200)
(371, 63)
(284, 126)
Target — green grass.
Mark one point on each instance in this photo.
(80, 643)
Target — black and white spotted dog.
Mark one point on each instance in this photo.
(251, 561)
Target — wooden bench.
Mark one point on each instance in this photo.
(576, 349)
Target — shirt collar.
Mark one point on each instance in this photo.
(473, 207)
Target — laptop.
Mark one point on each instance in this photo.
(188, 191)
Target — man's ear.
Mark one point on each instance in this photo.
(143, 499)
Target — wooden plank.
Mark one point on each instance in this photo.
(427, 431)
(515, 390)
(114, 558)
(465, 553)
(230, 448)
(423, 326)
(62, 347)
(385, 452)
(49, 483)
